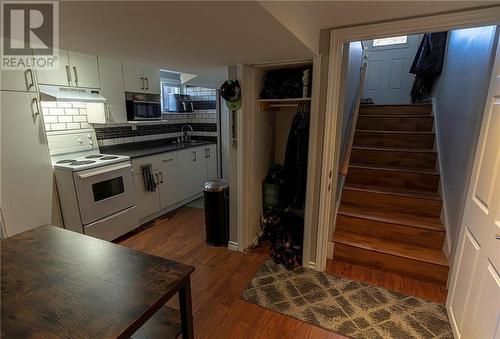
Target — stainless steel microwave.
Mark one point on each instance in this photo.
(143, 110)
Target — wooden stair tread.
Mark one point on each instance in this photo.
(395, 149)
(393, 191)
(397, 105)
(395, 169)
(409, 116)
(415, 252)
(386, 215)
(393, 132)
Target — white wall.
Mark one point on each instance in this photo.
(459, 98)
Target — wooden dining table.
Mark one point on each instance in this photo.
(58, 283)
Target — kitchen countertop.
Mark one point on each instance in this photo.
(150, 147)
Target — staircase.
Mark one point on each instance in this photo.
(389, 216)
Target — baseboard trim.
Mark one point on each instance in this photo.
(329, 250)
(311, 265)
(233, 246)
(169, 209)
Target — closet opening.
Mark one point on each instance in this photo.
(279, 148)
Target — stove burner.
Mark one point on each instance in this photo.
(94, 156)
(109, 157)
(65, 161)
(81, 162)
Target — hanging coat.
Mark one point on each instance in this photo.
(295, 167)
(427, 65)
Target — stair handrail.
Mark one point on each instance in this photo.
(353, 121)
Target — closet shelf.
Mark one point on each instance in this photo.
(281, 103)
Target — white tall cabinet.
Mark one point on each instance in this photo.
(26, 174)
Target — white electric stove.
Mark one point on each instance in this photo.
(96, 191)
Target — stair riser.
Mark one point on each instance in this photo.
(412, 181)
(410, 110)
(394, 140)
(423, 123)
(398, 204)
(396, 232)
(394, 158)
(403, 266)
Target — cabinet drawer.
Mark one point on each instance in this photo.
(156, 160)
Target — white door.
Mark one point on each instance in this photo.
(168, 180)
(388, 80)
(110, 71)
(17, 80)
(211, 154)
(474, 298)
(84, 70)
(27, 179)
(151, 79)
(58, 77)
(133, 79)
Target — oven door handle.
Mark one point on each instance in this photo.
(110, 168)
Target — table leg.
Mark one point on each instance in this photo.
(186, 310)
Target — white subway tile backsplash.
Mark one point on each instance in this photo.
(79, 105)
(56, 111)
(85, 125)
(83, 111)
(57, 127)
(73, 125)
(64, 104)
(80, 118)
(50, 119)
(65, 118)
(71, 111)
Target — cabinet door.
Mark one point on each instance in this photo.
(186, 166)
(17, 80)
(27, 180)
(62, 76)
(133, 78)
(200, 169)
(168, 180)
(211, 154)
(110, 71)
(147, 202)
(152, 80)
(84, 70)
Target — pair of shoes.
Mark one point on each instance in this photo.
(283, 255)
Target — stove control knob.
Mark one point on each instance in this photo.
(80, 141)
(91, 142)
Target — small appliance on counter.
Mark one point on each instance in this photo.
(180, 103)
(96, 191)
(142, 106)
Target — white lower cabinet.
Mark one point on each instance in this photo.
(179, 175)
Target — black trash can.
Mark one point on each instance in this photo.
(216, 194)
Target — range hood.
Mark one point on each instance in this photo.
(61, 93)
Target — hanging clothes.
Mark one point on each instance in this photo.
(295, 167)
(427, 65)
(148, 176)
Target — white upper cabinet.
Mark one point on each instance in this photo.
(17, 80)
(59, 76)
(152, 79)
(75, 69)
(84, 69)
(141, 79)
(110, 71)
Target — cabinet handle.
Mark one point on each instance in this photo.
(68, 74)
(76, 75)
(34, 107)
(161, 177)
(208, 150)
(31, 82)
(147, 83)
(157, 179)
(142, 78)
(167, 160)
(194, 153)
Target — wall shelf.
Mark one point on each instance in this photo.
(267, 104)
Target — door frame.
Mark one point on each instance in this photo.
(338, 37)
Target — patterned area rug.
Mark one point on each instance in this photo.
(350, 308)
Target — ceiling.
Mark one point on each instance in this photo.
(203, 37)
(194, 37)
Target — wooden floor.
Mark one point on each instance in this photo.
(221, 275)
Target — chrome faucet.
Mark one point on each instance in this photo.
(185, 136)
